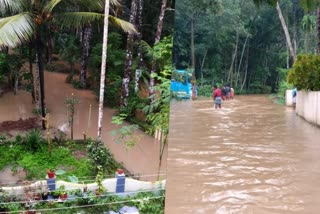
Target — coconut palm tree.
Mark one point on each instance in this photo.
(103, 69)
(26, 19)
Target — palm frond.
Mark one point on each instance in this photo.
(124, 25)
(309, 5)
(115, 3)
(77, 19)
(50, 6)
(147, 50)
(16, 29)
(10, 6)
(92, 5)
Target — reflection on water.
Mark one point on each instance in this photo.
(141, 160)
(251, 156)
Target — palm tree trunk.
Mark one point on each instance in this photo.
(16, 81)
(37, 81)
(103, 68)
(41, 76)
(85, 42)
(31, 72)
(139, 38)
(318, 29)
(128, 62)
(286, 32)
(157, 39)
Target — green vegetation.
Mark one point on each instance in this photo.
(31, 153)
(146, 202)
(305, 74)
(236, 42)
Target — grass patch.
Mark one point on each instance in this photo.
(68, 156)
(280, 100)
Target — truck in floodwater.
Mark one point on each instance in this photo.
(180, 84)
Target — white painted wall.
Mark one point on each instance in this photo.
(289, 98)
(131, 185)
(308, 106)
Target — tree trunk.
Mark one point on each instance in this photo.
(318, 29)
(37, 80)
(295, 4)
(239, 67)
(202, 64)
(103, 68)
(157, 39)
(246, 71)
(41, 77)
(139, 38)
(16, 81)
(85, 43)
(31, 73)
(286, 32)
(306, 38)
(49, 48)
(233, 56)
(128, 62)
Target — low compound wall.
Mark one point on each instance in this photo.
(308, 106)
(289, 102)
(130, 185)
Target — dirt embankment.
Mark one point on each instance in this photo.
(20, 125)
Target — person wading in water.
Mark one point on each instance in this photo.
(217, 96)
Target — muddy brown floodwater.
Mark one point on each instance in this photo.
(142, 160)
(252, 156)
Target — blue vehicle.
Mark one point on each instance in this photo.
(181, 85)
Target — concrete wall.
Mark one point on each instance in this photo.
(308, 106)
(131, 185)
(289, 98)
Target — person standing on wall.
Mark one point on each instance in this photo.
(217, 94)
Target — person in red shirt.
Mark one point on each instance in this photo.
(217, 96)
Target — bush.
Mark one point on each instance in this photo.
(100, 155)
(305, 74)
(205, 90)
(33, 141)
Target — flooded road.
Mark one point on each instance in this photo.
(141, 160)
(251, 156)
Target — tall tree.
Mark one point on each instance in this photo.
(85, 46)
(139, 47)
(157, 39)
(128, 61)
(103, 68)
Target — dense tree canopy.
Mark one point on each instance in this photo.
(240, 43)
